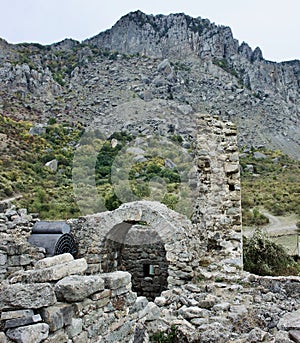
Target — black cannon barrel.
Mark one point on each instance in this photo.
(51, 227)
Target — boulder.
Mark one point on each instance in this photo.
(53, 164)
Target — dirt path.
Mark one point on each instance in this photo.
(16, 197)
(278, 226)
(282, 230)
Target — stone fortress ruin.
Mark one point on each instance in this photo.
(144, 268)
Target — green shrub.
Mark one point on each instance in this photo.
(254, 218)
(169, 336)
(264, 257)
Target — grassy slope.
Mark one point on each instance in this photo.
(274, 184)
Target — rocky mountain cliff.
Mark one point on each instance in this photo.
(151, 73)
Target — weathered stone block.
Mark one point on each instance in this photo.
(16, 314)
(3, 259)
(116, 279)
(27, 296)
(295, 335)
(208, 302)
(122, 334)
(53, 261)
(58, 316)
(3, 338)
(101, 295)
(76, 288)
(52, 273)
(83, 338)
(29, 334)
(122, 290)
(75, 328)
(193, 312)
(102, 302)
(150, 312)
(290, 321)
(14, 261)
(13, 323)
(282, 337)
(59, 336)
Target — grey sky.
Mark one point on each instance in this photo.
(273, 25)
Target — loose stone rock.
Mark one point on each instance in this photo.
(29, 334)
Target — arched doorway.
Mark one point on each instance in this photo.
(137, 248)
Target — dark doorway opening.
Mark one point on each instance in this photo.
(138, 249)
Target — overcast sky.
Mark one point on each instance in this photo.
(273, 25)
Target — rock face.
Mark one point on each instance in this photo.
(158, 36)
(185, 65)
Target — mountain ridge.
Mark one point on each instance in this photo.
(165, 60)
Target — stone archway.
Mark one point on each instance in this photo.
(165, 242)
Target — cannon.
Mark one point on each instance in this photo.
(54, 237)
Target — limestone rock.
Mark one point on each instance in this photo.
(29, 334)
(76, 288)
(150, 312)
(37, 129)
(258, 155)
(53, 164)
(283, 337)
(59, 336)
(116, 279)
(192, 312)
(27, 296)
(295, 335)
(75, 328)
(3, 337)
(13, 323)
(290, 321)
(256, 335)
(53, 260)
(16, 314)
(57, 316)
(52, 273)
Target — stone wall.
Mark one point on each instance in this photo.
(217, 213)
(168, 233)
(15, 252)
(206, 295)
(146, 263)
(55, 302)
